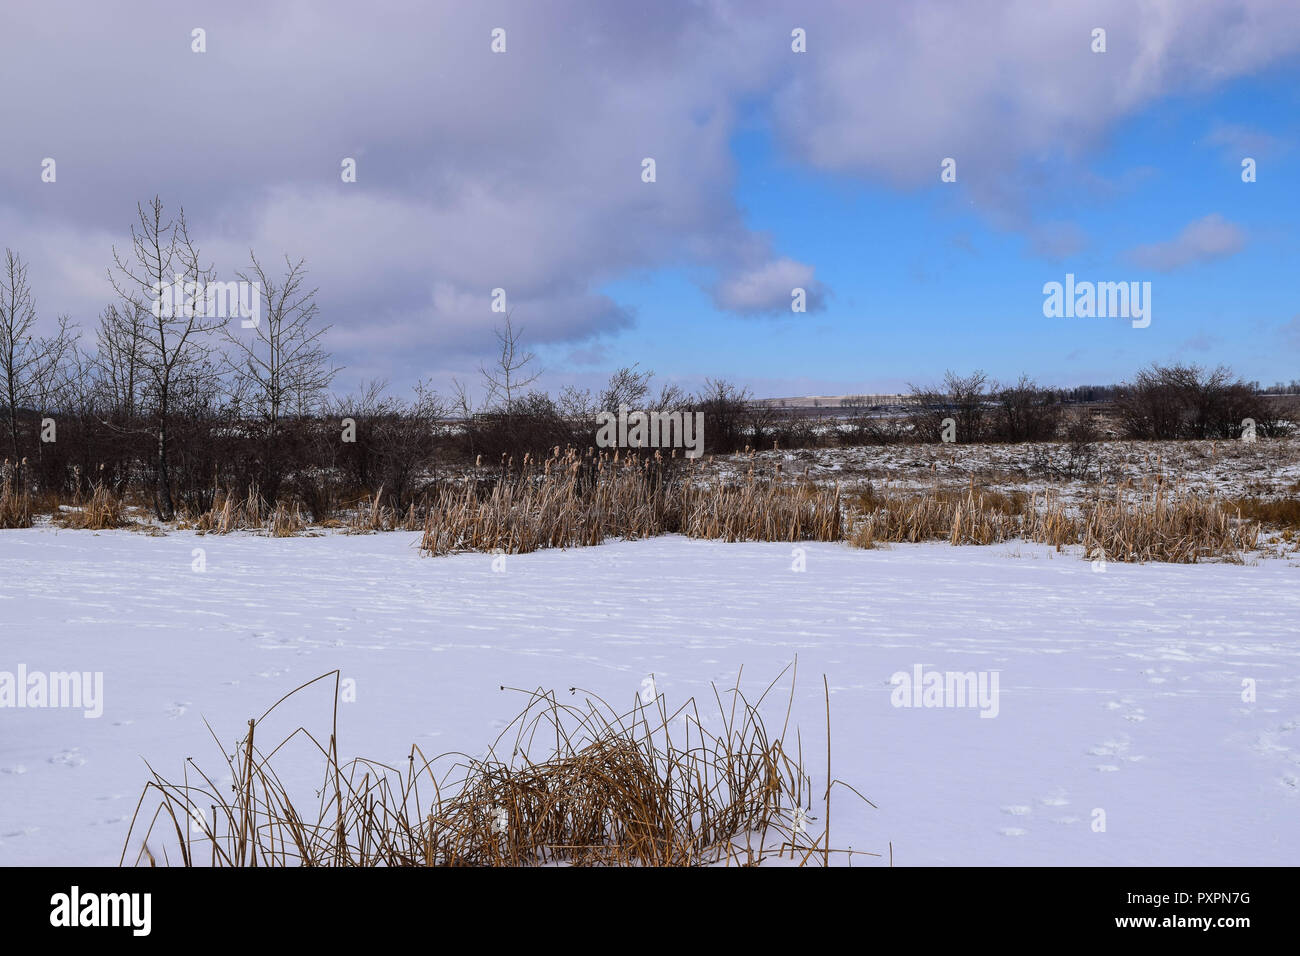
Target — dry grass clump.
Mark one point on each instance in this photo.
(643, 787)
(1155, 528)
(1281, 513)
(762, 511)
(251, 513)
(1124, 527)
(570, 500)
(959, 517)
(285, 523)
(104, 510)
(15, 503)
(229, 513)
(372, 516)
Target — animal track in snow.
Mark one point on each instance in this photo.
(69, 758)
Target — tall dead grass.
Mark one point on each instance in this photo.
(251, 513)
(761, 510)
(230, 513)
(104, 510)
(1126, 526)
(1281, 513)
(1155, 528)
(647, 786)
(15, 502)
(285, 522)
(570, 500)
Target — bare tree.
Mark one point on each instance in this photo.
(118, 346)
(174, 334)
(627, 386)
(29, 365)
(281, 364)
(508, 376)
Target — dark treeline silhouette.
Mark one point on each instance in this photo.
(177, 408)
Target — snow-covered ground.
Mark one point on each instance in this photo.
(1119, 691)
(1227, 469)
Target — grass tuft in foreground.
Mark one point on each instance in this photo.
(580, 784)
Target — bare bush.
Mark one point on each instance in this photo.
(1025, 412)
(1186, 401)
(961, 398)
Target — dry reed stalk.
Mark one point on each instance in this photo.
(15, 503)
(1183, 531)
(227, 514)
(1122, 528)
(568, 501)
(104, 510)
(645, 787)
(373, 516)
(284, 523)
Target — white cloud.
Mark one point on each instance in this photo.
(1204, 240)
(768, 288)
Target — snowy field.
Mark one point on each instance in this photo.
(1227, 469)
(1119, 691)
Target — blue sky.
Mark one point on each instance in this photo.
(521, 169)
(923, 281)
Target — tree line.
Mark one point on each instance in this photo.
(178, 405)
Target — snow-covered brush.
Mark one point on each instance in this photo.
(565, 783)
